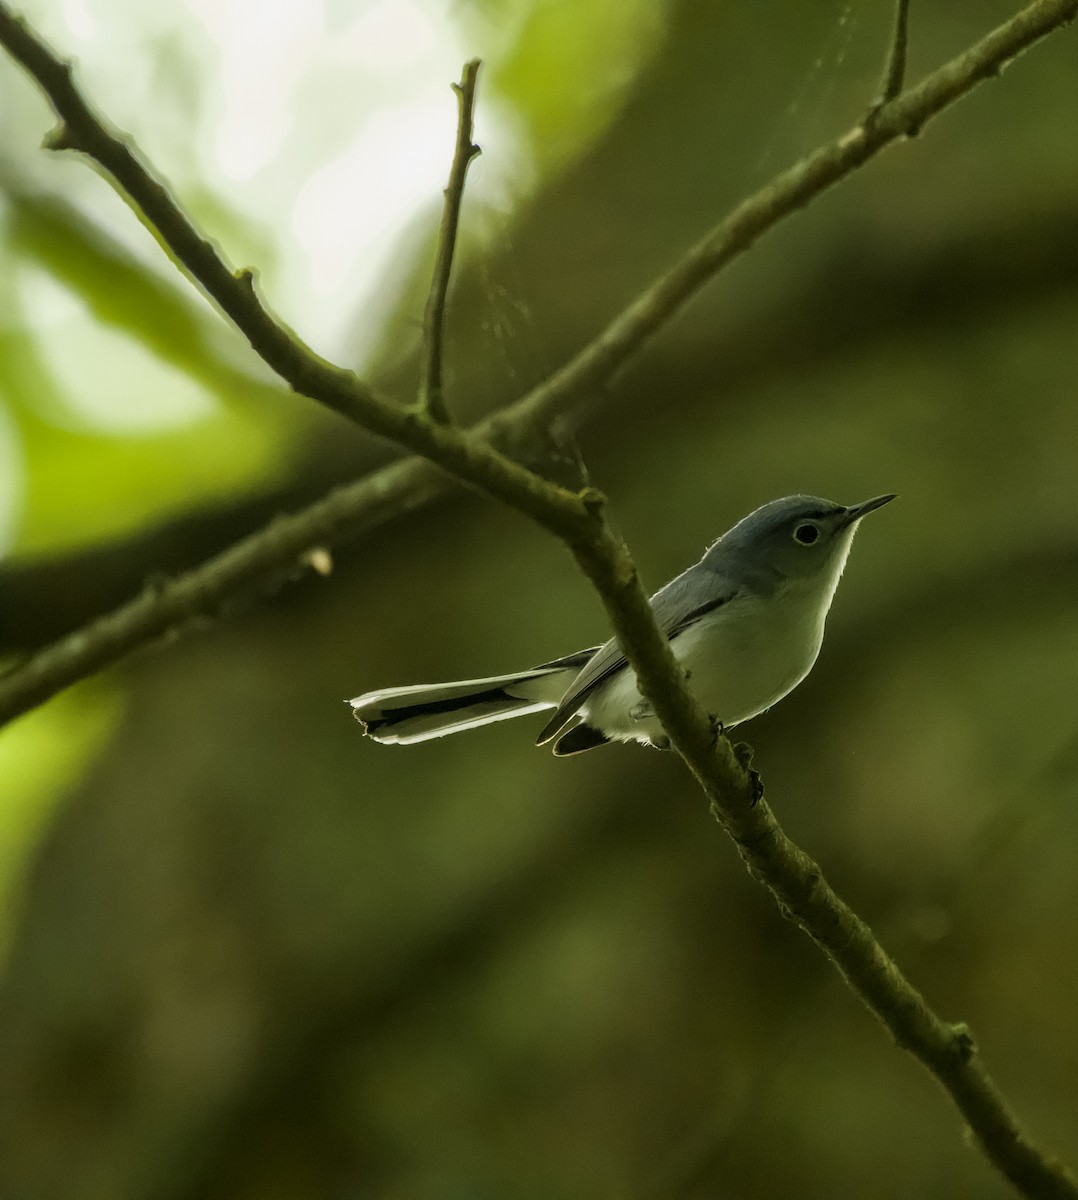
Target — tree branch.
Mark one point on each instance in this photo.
(255, 565)
(796, 882)
(431, 392)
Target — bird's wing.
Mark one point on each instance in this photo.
(676, 607)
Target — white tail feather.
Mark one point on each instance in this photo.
(404, 715)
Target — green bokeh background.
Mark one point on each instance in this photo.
(246, 953)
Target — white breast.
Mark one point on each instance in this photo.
(742, 658)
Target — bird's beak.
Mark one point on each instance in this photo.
(856, 511)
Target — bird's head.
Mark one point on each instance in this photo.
(796, 540)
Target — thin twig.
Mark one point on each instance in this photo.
(894, 71)
(431, 389)
(797, 883)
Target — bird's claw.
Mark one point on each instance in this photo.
(717, 729)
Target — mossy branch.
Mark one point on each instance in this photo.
(795, 880)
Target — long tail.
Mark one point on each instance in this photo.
(416, 714)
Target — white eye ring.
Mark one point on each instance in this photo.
(806, 533)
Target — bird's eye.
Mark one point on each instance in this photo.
(806, 534)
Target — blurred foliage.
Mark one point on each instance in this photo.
(83, 484)
(252, 955)
(565, 72)
(41, 759)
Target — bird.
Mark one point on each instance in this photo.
(745, 623)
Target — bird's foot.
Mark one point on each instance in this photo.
(743, 752)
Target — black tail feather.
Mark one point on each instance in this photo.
(394, 716)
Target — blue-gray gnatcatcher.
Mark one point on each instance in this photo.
(746, 622)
